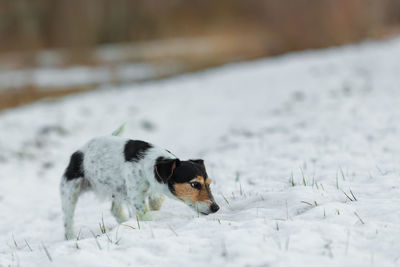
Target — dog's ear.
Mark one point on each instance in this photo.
(199, 161)
(164, 168)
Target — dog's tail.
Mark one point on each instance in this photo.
(119, 131)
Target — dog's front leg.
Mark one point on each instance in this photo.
(137, 198)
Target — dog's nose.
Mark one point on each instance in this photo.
(214, 207)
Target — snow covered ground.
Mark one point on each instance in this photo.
(53, 78)
(285, 140)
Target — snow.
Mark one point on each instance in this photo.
(59, 78)
(326, 121)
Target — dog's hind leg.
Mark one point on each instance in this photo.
(118, 211)
(155, 201)
(70, 190)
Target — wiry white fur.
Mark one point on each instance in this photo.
(109, 176)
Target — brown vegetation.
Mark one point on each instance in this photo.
(299, 24)
(25, 95)
(195, 34)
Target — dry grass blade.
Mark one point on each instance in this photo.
(130, 226)
(170, 227)
(109, 239)
(47, 252)
(305, 202)
(341, 171)
(95, 239)
(137, 220)
(351, 192)
(79, 235)
(102, 225)
(304, 178)
(358, 216)
(287, 243)
(292, 180)
(77, 239)
(337, 180)
(27, 244)
(15, 242)
(287, 211)
(322, 186)
(226, 200)
(117, 240)
(347, 196)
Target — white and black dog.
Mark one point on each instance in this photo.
(126, 172)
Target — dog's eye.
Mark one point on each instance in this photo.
(196, 185)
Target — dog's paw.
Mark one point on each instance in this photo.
(156, 201)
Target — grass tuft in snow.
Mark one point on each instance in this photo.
(353, 198)
(347, 196)
(77, 239)
(237, 180)
(351, 192)
(292, 180)
(304, 178)
(102, 225)
(95, 239)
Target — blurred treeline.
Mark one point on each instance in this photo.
(27, 25)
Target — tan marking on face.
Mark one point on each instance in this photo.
(186, 192)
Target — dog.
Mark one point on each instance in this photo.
(128, 171)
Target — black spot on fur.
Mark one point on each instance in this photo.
(164, 168)
(188, 170)
(75, 167)
(200, 162)
(171, 187)
(135, 150)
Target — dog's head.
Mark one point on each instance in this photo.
(188, 181)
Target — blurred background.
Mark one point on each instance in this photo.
(50, 48)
